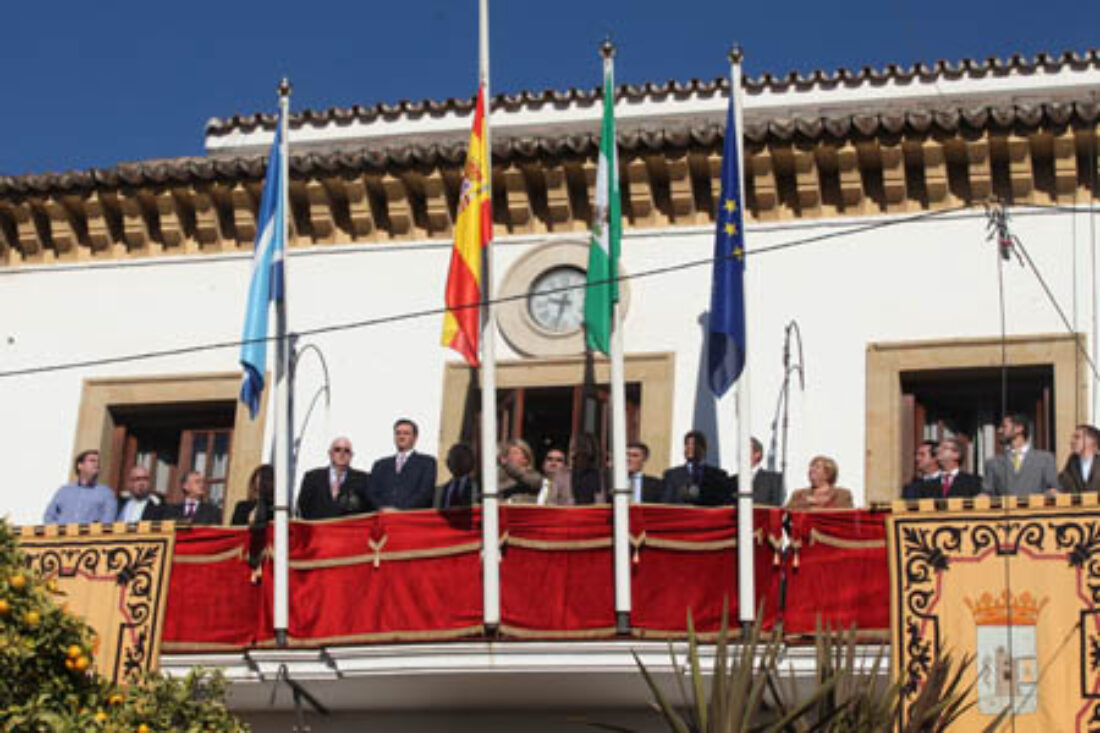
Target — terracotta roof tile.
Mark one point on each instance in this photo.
(377, 159)
(792, 81)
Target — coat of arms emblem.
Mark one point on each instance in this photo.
(1007, 657)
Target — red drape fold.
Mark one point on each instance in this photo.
(557, 576)
(386, 577)
(837, 568)
(212, 602)
(687, 560)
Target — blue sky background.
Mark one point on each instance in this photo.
(93, 84)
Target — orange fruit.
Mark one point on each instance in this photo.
(100, 716)
(32, 618)
(74, 651)
(5, 607)
(17, 581)
(143, 728)
(81, 663)
(69, 665)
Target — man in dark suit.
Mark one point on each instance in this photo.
(337, 489)
(1081, 473)
(194, 508)
(461, 489)
(767, 486)
(1021, 469)
(927, 469)
(405, 480)
(695, 482)
(951, 482)
(643, 489)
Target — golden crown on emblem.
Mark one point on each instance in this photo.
(1020, 610)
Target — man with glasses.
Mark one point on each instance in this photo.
(142, 503)
(552, 463)
(337, 489)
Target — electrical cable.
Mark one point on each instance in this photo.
(437, 311)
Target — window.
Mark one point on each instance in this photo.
(171, 424)
(171, 439)
(549, 417)
(966, 404)
(934, 388)
(545, 401)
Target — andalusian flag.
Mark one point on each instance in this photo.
(473, 230)
(602, 291)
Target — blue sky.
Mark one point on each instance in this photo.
(93, 84)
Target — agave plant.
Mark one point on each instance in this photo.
(749, 693)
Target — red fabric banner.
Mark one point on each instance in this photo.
(688, 560)
(557, 576)
(417, 576)
(212, 603)
(390, 576)
(837, 569)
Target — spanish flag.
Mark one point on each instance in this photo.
(473, 230)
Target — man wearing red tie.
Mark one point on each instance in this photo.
(337, 489)
(194, 508)
(952, 481)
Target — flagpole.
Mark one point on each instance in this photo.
(620, 488)
(283, 454)
(490, 504)
(746, 585)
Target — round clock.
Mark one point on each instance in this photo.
(543, 292)
(556, 300)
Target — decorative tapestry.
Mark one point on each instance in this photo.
(1016, 589)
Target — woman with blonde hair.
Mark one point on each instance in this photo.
(518, 482)
(822, 492)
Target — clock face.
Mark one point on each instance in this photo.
(556, 300)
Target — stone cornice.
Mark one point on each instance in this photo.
(796, 168)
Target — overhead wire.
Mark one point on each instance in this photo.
(437, 311)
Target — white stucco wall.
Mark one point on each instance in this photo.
(930, 279)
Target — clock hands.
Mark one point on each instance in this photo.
(561, 301)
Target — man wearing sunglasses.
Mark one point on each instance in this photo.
(337, 489)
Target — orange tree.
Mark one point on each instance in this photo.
(48, 681)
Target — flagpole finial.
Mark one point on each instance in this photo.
(736, 54)
(284, 87)
(607, 48)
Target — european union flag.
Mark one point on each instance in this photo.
(726, 350)
(267, 285)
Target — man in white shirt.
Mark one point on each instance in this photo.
(1082, 474)
(142, 503)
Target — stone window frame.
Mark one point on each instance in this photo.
(883, 469)
(95, 426)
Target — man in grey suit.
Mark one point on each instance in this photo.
(1020, 469)
(767, 486)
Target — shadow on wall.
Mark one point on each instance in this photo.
(705, 415)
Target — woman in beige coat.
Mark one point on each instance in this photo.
(517, 480)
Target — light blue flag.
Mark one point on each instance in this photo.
(266, 286)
